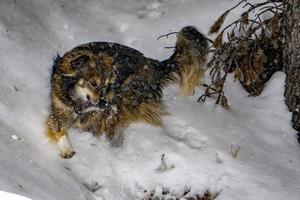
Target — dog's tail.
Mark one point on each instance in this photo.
(187, 64)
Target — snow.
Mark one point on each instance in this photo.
(10, 196)
(192, 150)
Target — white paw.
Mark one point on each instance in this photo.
(65, 147)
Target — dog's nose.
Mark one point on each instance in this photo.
(88, 97)
(102, 103)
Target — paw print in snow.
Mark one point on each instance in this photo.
(186, 134)
(150, 11)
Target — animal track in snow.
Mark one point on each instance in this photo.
(182, 132)
(150, 11)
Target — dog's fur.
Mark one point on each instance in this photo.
(101, 86)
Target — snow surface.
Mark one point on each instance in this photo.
(196, 139)
(10, 196)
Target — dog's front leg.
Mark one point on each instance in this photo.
(65, 147)
(57, 126)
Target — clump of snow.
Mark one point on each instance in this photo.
(193, 149)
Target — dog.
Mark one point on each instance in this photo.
(102, 87)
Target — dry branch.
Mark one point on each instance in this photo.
(253, 43)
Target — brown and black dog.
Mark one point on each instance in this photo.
(102, 87)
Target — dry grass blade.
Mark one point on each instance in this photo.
(274, 26)
(238, 74)
(245, 19)
(232, 35)
(219, 40)
(259, 59)
(218, 24)
(250, 76)
(235, 149)
(224, 103)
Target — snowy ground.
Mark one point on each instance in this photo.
(196, 139)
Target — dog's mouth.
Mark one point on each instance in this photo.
(85, 106)
(89, 106)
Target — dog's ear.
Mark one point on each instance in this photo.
(56, 62)
(76, 65)
(70, 68)
(57, 68)
(79, 62)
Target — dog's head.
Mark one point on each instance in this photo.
(191, 40)
(93, 74)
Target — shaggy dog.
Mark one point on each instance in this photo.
(102, 87)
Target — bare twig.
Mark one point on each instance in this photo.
(167, 35)
(173, 47)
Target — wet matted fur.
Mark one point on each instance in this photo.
(101, 86)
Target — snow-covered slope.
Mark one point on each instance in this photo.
(196, 140)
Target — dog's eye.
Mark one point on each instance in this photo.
(93, 83)
(80, 61)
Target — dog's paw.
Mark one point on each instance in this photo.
(65, 147)
(68, 154)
